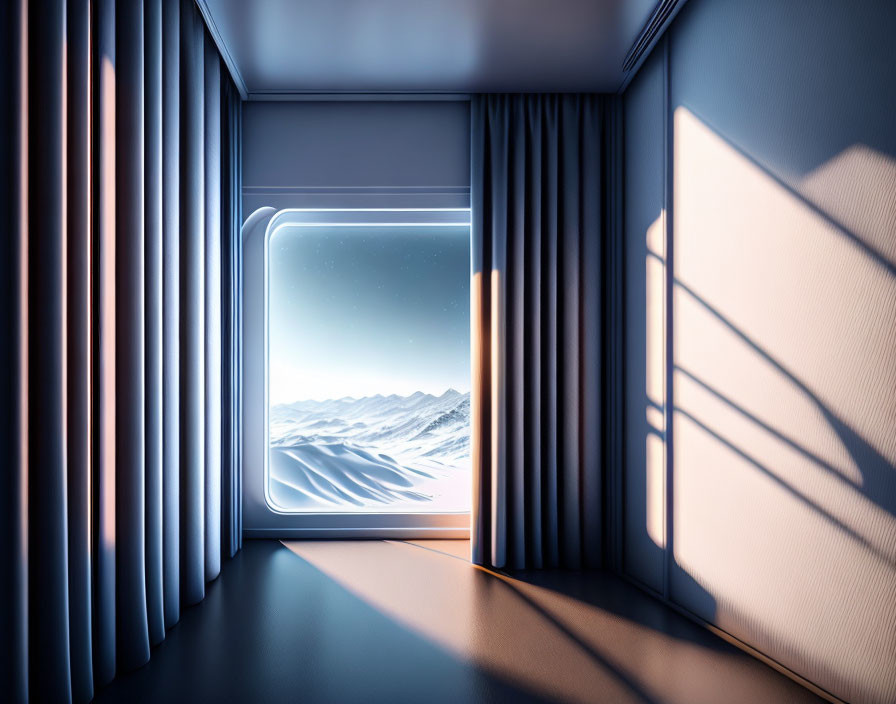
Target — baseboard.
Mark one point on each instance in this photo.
(735, 641)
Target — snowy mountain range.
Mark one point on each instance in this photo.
(378, 453)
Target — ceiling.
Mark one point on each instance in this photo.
(464, 46)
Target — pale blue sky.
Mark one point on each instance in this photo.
(356, 311)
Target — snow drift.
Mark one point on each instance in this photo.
(379, 453)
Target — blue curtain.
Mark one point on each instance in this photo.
(231, 294)
(118, 494)
(544, 260)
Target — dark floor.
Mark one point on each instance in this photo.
(392, 621)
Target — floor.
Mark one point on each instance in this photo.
(413, 621)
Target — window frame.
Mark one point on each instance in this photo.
(262, 518)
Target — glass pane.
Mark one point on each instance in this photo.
(369, 368)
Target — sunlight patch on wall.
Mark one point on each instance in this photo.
(856, 189)
(784, 378)
(655, 380)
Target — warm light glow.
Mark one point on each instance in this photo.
(106, 473)
(478, 337)
(498, 417)
(566, 649)
(655, 459)
(655, 380)
(784, 399)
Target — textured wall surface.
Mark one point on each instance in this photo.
(781, 490)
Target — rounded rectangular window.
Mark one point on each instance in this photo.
(368, 362)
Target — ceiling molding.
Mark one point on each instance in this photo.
(649, 36)
(359, 96)
(222, 49)
(362, 190)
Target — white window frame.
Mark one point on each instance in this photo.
(261, 518)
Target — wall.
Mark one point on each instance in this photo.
(644, 480)
(761, 379)
(356, 153)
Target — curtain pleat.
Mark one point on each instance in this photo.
(499, 143)
(213, 304)
(171, 309)
(594, 330)
(153, 316)
(48, 615)
(192, 314)
(112, 209)
(78, 331)
(612, 359)
(531, 342)
(517, 231)
(568, 330)
(104, 207)
(130, 412)
(480, 363)
(231, 521)
(548, 393)
(13, 354)
(537, 317)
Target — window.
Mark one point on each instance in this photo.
(368, 362)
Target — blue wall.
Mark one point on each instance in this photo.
(356, 153)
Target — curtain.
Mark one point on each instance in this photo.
(231, 295)
(118, 494)
(542, 235)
